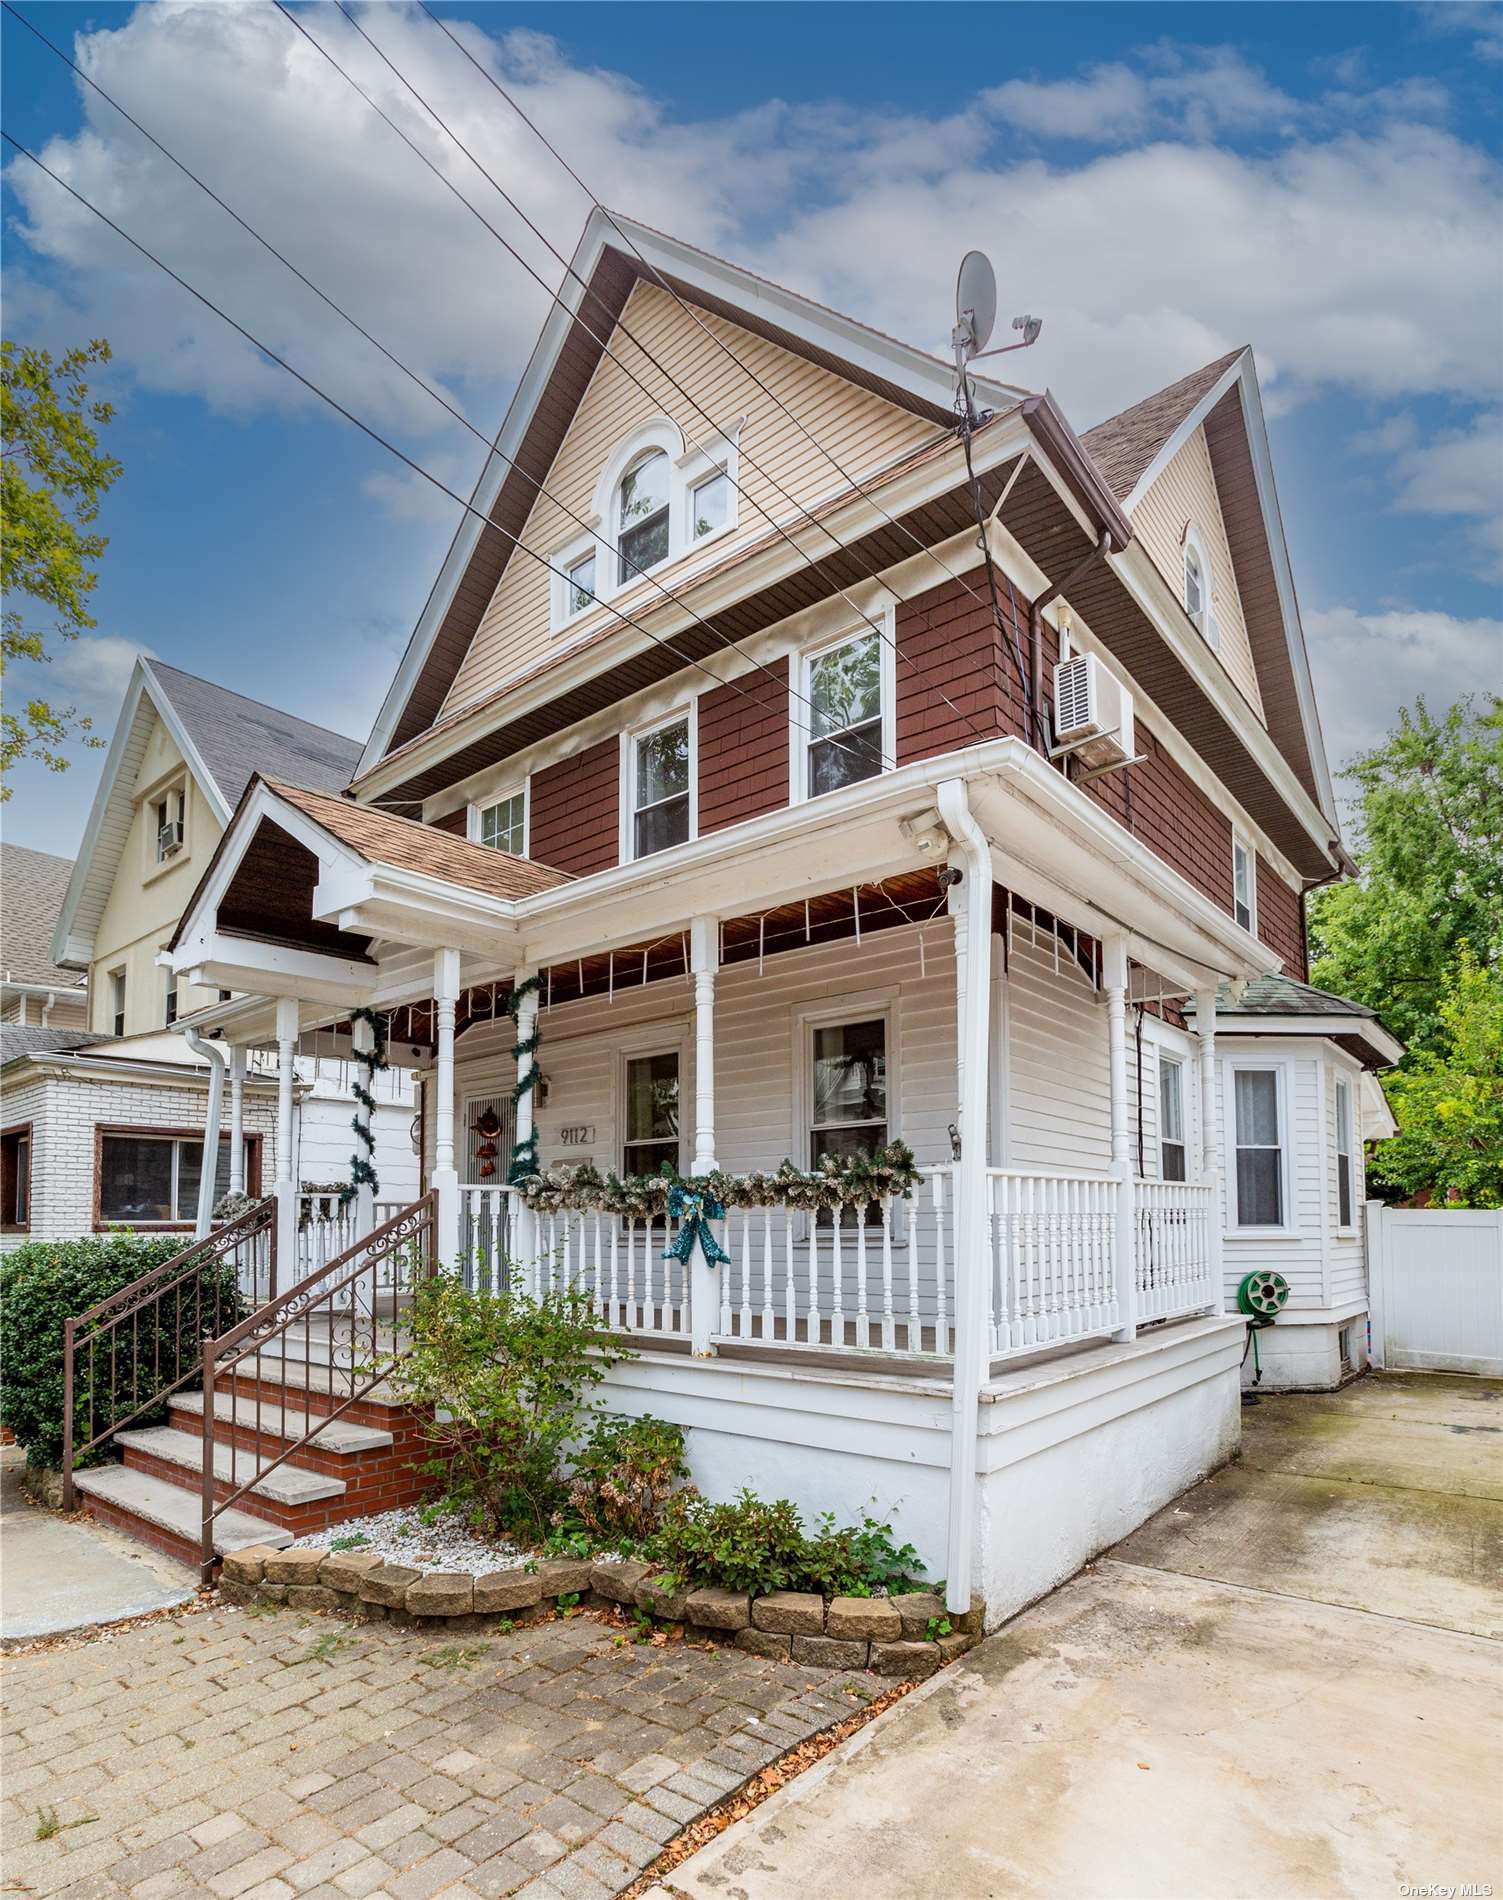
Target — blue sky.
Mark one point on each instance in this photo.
(1159, 183)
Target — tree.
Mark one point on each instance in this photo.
(1429, 851)
(52, 480)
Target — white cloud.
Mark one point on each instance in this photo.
(1367, 665)
(1455, 472)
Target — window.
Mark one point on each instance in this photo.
(503, 826)
(1244, 884)
(845, 714)
(1195, 586)
(848, 1096)
(1260, 1159)
(709, 506)
(148, 1178)
(651, 1113)
(581, 588)
(642, 515)
(167, 814)
(117, 1002)
(15, 1180)
(1343, 1155)
(1171, 1119)
(169, 1013)
(661, 776)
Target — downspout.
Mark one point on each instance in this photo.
(218, 1063)
(1036, 623)
(972, 1273)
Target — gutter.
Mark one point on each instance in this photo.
(218, 1062)
(1046, 424)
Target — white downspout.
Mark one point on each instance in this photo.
(972, 857)
(218, 1063)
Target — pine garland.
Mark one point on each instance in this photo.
(839, 1181)
(372, 1060)
(524, 1153)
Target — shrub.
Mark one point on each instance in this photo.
(752, 1545)
(502, 1379)
(45, 1282)
(622, 1477)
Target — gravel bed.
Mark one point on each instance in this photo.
(401, 1537)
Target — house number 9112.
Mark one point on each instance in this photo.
(576, 1135)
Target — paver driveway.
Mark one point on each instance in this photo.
(230, 1754)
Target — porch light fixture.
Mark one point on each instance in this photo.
(925, 831)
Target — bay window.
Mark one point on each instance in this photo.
(1343, 1154)
(1258, 1135)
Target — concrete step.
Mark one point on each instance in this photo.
(298, 1375)
(339, 1436)
(174, 1510)
(287, 1484)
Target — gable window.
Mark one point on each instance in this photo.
(709, 506)
(168, 814)
(169, 1012)
(1343, 1154)
(581, 587)
(847, 713)
(1198, 588)
(1244, 884)
(146, 1179)
(503, 826)
(661, 780)
(1259, 1148)
(651, 1113)
(642, 515)
(15, 1180)
(117, 1002)
(1171, 1119)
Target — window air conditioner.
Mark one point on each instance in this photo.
(169, 841)
(1092, 712)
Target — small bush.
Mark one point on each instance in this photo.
(622, 1477)
(45, 1282)
(756, 1546)
(503, 1380)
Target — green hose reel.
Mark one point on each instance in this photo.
(1262, 1296)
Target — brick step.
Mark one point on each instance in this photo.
(239, 1417)
(166, 1516)
(300, 1376)
(287, 1484)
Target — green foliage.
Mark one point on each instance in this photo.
(753, 1545)
(936, 1627)
(46, 1282)
(622, 1477)
(852, 1180)
(352, 1542)
(52, 480)
(1449, 1102)
(502, 1379)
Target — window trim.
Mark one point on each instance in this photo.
(1169, 1059)
(653, 1039)
(118, 977)
(1240, 842)
(1205, 625)
(1342, 1093)
(173, 785)
(172, 1001)
(478, 807)
(22, 1134)
(800, 736)
(102, 1224)
(626, 838)
(617, 530)
(1288, 1228)
(829, 1013)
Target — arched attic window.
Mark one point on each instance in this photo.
(642, 514)
(1198, 586)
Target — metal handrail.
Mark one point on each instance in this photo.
(333, 1293)
(83, 1332)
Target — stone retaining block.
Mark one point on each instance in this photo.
(790, 1613)
(873, 1619)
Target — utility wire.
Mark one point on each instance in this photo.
(411, 374)
(667, 374)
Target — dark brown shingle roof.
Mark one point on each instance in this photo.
(33, 885)
(1124, 445)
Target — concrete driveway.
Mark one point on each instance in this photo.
(1289, 1683)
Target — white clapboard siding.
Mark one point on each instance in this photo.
(1058, 1101)
(1298, 1252)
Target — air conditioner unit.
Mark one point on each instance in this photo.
(1092, 712)
(169, 841)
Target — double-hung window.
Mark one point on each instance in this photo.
(169, 1010)
(642, 516)
(169, 815)
(1244, 884)
(848, 1092)
(580, 589)
(1171, 1119)
(1258, 1136)
(845, 714)
(117, 1002)
(1343, 1154)
(503, 825)
(652, 1126)
(661, 772)
(709, 505)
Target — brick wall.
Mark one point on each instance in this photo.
(743, 748)
(1281, 920)
(574, 817)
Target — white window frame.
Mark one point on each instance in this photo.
(656, 1039)
(117, 982)
(859, 1006)
(1288, 1228)
(1170, 1059)
(173, 793)
(627, 830)
(1205, 623)
(562, 611)
(479, 807)
(172, 1001)
(1243, 845)
(800, 735)
(1342, 1093)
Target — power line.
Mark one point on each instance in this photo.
(667, 374)
(725, 639)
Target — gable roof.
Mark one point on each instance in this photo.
(33, 885)
(224, 739)
(613, 255)
(1124, 445)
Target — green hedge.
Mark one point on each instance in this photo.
(43, 1282)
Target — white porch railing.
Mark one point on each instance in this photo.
(1176, 1262)
(327, 1227)
(1053, 1258)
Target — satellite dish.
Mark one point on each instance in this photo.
(975, 303)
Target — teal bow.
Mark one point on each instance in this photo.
(695, 1211)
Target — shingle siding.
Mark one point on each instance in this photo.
(1281, 920)
(743, 748)
(575, 807)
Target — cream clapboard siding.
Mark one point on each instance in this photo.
(860, 430)
(1186, 490)
(1058, 1096)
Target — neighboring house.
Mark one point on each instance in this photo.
(106, 1118)
(794, 827)
(35, 992)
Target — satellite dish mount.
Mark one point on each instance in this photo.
(976, 313)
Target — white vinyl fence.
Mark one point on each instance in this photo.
(1437, 1288)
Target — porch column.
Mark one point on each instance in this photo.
(285, 1272)
(362, 1042)
(704, 961)
(1114, 955)
(524, 1241)
(1210, 1132)
(444, 1179)
(237, 1120)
